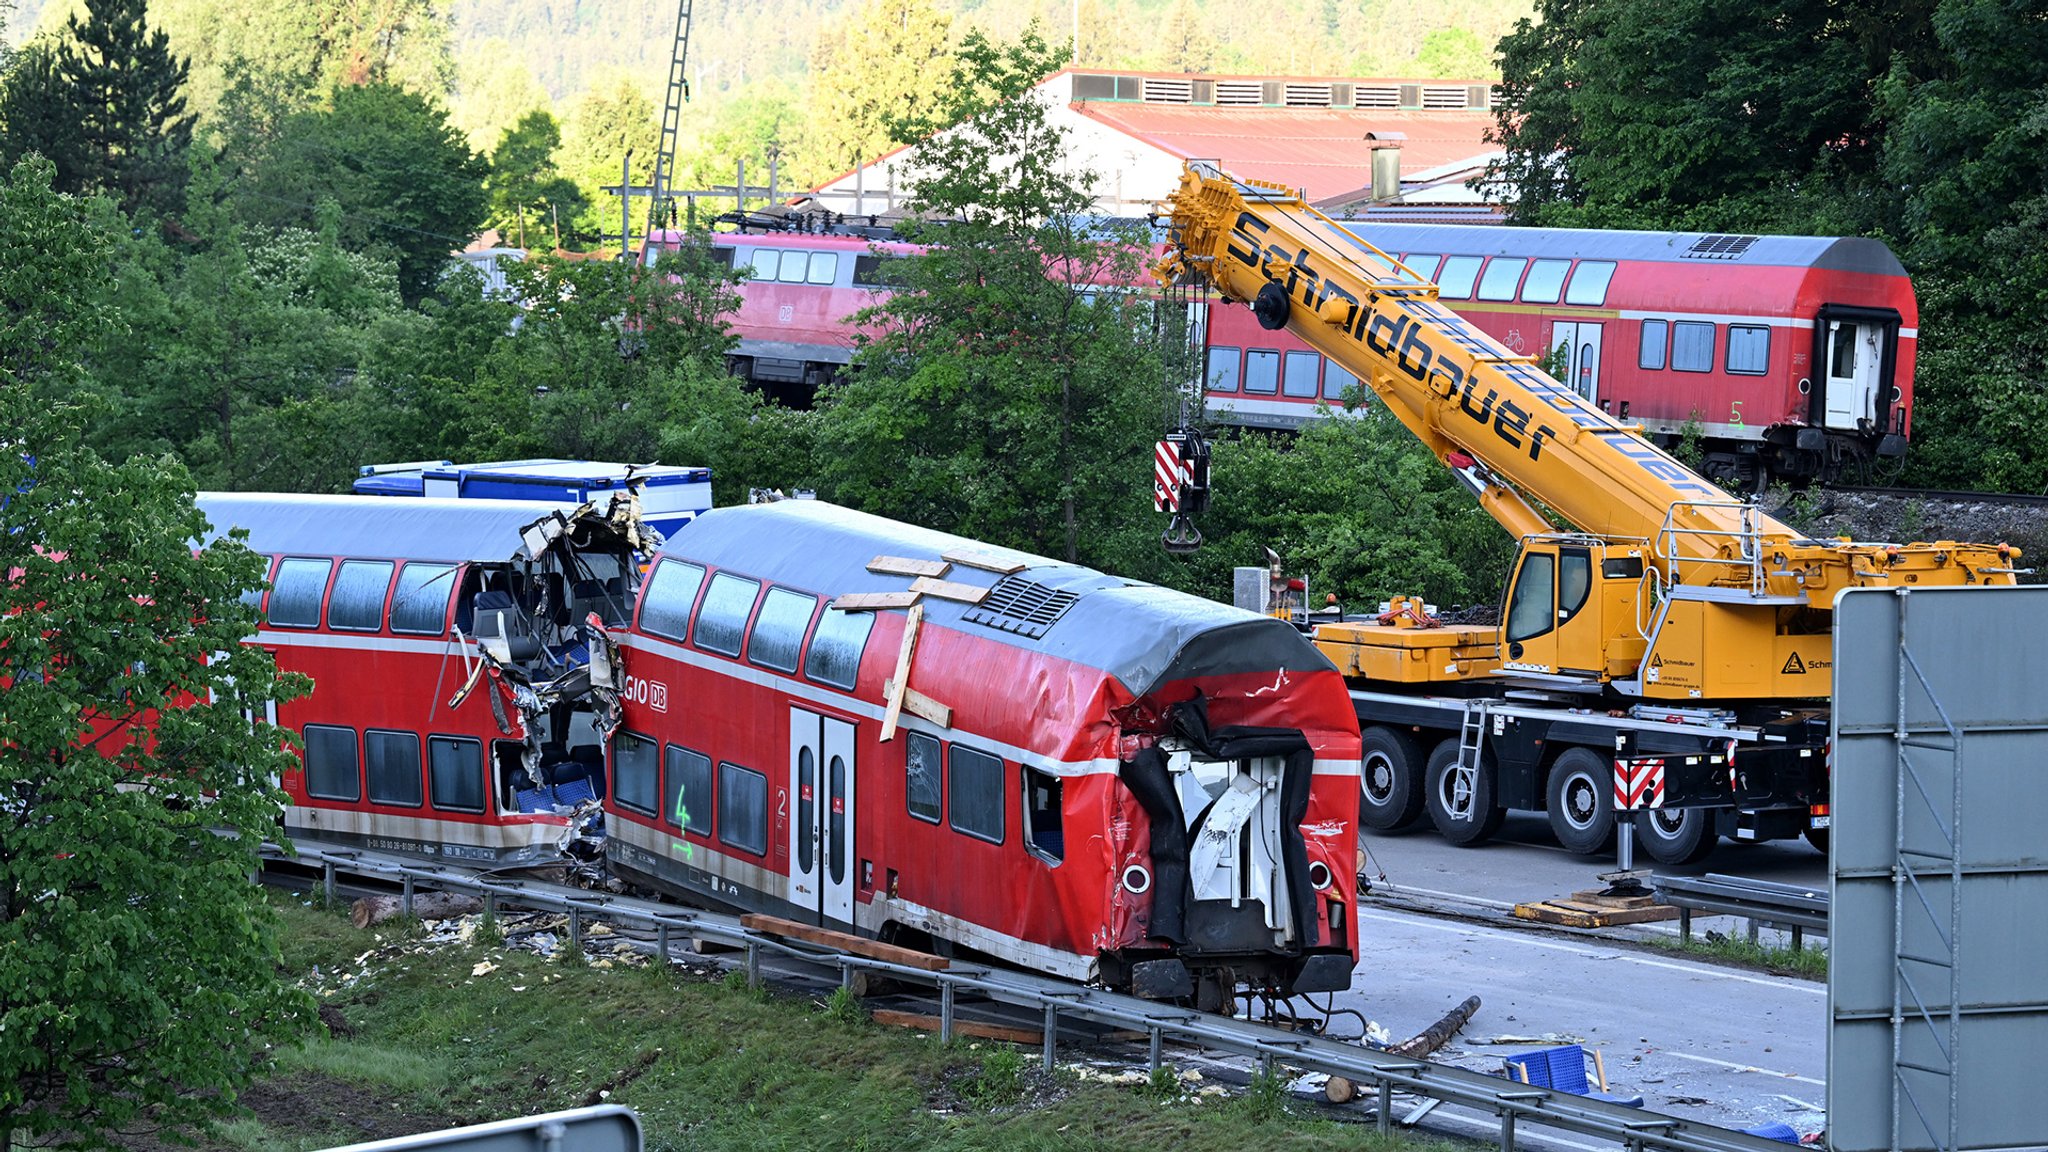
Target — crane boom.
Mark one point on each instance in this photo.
(1698, 594)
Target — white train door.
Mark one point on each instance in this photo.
(1582, 358)
(821, 826)
(1855, 350)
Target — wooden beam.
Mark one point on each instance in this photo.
(918, 704)
(1000, 565)
(875, 601)
(948, 590)
(904, 566)
(858, 945)
(924, 1023)
(897, 686)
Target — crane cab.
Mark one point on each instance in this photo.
(1570, 609)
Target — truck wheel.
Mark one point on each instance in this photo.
(1464, 816)
(1581, 801)
(1818, 837)
(1390, 779)
(1676, 835)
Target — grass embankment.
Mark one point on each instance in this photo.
(438, 1035)
(1808, 963)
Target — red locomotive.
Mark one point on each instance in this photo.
(1094, 778)
(1793, 356)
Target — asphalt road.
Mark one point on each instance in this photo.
(1731, 1046)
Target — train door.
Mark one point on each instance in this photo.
(1581, 341)
(1855, 362)
(821, 831)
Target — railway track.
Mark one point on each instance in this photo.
(1936, 495)
(1058, 1004)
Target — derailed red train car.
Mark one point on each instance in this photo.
(1108, 781)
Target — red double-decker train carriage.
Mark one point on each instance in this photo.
(1109, 780)
(1088, 776)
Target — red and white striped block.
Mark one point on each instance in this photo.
(1169, 476)
(1638, 784)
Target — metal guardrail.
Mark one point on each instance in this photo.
(1790, 906)
(600, 1128)
(1637, 1129)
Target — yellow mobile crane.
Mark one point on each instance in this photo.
(1670, 643)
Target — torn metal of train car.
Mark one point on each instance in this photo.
(544, 651)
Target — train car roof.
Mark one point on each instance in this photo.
(1141, 634)
(374, 527)
(1700, 249)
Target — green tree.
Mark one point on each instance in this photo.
(106, 105)
(525, 182)
(1453, 54)
(407, 184)
(138, 965)
(1011, 387)
(602, 129)
(881, 60)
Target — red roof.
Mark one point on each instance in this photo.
(1321, 149)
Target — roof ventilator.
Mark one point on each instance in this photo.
(1020, 605)
(1719, 247)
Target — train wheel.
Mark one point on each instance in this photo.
(1390, 779)
(1581, 801)
(1676, 835)
(1461, 803)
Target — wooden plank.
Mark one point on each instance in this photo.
(875, 601)
(918, 704)
(901, 682)
(919, 1020)
(858, 945)
(904, 566)
(1000, 565)
(1572, 914)
(948, 590)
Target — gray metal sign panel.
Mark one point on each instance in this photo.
(603, 1128)
(1938, 965)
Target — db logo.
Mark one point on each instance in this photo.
(785, 314)
(652, 693)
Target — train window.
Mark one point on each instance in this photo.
(877, 272)
(295, 594)
(636, 768)
(665, 606)
(835, 819)
(1223, 369)
(689, 790)
(921, 769)
(743, 809)
(331, 764)
(1455, 281)
(392, 760)
(1043, 829)
(722, 621)
(779, 631)
(1423, 264)
(357, 602)
(974, 793)
(794, 266)
(1300, 377)
(1546, 280)
(1262, 371)
(455, 773)
(1336, 381)
(1692, 346)
(421, 602)
(253, 597)
(1749, 349)
(1502, 274)
(1655, 333)
(834, 656)
(824, 268)
(1589, 283)
(763, 264)
(806, 809)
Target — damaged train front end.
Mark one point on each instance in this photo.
(1239, 868)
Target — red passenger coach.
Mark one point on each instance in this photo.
(1793, 355)
(1092, 777)
(452, 703)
